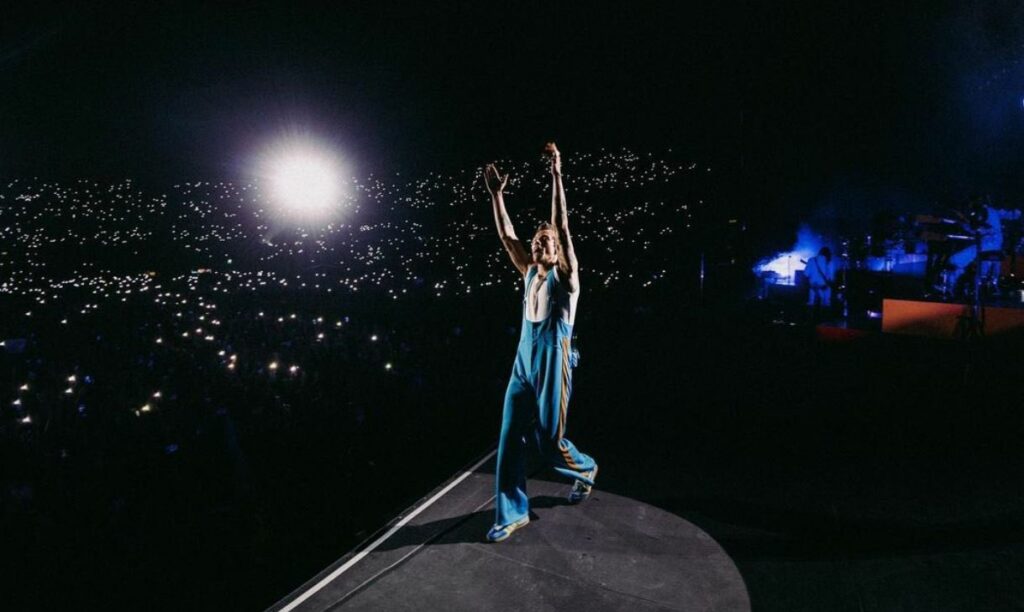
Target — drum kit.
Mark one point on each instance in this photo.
(932, 240)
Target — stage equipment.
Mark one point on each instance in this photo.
(844, 258)
(945, 319)
(301, 178)
(942, 236)
(305, 182)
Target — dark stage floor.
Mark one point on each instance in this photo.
(610, 553)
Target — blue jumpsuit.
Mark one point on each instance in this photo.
(536, 404)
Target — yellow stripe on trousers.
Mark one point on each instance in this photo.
(564, 406)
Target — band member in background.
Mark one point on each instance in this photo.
(821, 276)
(537, 397)
(985, 222)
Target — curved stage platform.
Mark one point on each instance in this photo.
(609, 553)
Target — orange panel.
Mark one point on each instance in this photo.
(941, 320)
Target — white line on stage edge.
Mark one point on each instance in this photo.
(390, 532)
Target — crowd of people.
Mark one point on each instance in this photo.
(397, 237)
(178, 349)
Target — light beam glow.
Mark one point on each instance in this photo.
(302, 179)
(305, 182)
(785, 265)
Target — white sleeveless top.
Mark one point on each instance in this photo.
(539, 299)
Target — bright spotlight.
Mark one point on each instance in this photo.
(306, 183)
(302, 179)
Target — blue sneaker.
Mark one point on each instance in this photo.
(581, 490)
(499, 533)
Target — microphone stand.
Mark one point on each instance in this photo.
(844, 257)
(972, 323)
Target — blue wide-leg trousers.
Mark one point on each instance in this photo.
(535, 410)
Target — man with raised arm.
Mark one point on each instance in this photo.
(537, 398)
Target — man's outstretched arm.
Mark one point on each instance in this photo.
(496, 187)
(560, 218)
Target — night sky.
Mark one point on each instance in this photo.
(808, 109)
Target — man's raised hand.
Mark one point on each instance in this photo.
(494, 180)
(556, 158)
